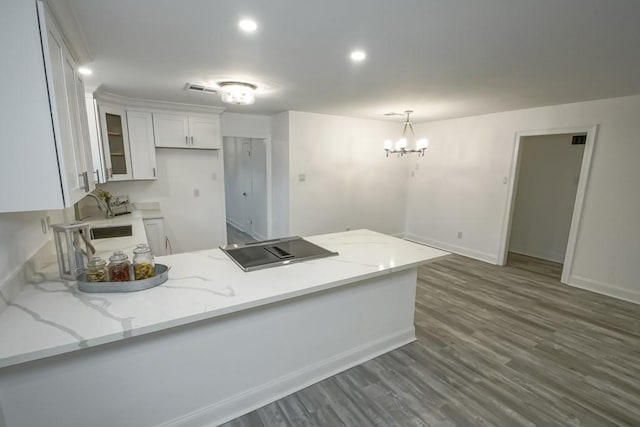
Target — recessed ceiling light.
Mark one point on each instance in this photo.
(358, 55)
(85, 71)
(248, 25)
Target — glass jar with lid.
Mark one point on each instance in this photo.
(97, 270)
(143, 262)
(119, 267)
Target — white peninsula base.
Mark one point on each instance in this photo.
(214, 370)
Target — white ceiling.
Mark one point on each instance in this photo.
(442, 58)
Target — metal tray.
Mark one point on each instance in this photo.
(162, 274)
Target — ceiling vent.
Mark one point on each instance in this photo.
(200, 88)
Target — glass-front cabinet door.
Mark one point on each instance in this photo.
(115, 140)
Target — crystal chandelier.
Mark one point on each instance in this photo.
(400, 146)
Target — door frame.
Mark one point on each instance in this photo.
(576, 217)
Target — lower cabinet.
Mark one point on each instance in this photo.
(156, 236)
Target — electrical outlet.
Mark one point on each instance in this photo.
(413, 173)
(302, 177)
(214, 176)
(348, 229)
(196, 192)
(505, 179)
(459, 234)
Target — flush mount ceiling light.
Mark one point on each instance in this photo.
(238, 93)
(85, 71)
(248, 25)
(400, 146)
(358, 56)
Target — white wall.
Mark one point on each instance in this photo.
(247, 125)
(547, 182)
(460, 187)
(279, 175)
(20, 237)
(191, 223)
(349, 181)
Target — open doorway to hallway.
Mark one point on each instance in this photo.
(548, 170)
(245, 170)
(548, 176)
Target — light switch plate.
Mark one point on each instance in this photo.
(196, 192)
(302, 177)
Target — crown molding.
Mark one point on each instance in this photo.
(103, 96)
(72, 33)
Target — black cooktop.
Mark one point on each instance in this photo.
(272, 253)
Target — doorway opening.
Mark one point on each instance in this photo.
(245, 171)
(549, 177)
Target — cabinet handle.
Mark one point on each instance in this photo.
(97, 172)
(186, 140)
(85, 180)
(191, 140)
(154, 172)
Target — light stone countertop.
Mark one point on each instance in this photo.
(51, 317)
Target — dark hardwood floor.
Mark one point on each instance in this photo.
(504, 346)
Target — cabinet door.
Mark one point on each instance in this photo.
(171, 130)
(66, 124)
(204, 132)
(115, 143)
(154, 228)
(85, 140)
(143, 153)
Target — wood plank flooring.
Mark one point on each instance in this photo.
(504, 346)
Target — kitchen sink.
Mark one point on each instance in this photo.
(109, 232)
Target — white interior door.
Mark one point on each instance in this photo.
(246, 188)
(258, 189)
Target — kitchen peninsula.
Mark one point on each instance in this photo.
(210, 344)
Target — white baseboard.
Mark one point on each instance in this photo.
(259, 236)
(605, 289)
(235, 224)
(540, 255)
(460, 250)
(238, 405)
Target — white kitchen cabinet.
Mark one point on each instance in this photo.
(204, 132)
(186, 131)
(45, 159)
(115, 139)
(171, 130)
(143, 154)
(156, 236)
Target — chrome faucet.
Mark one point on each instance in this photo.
(101, 205)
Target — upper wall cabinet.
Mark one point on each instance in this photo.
(45, 157)
(187, 131)
(115, 140)
(131, 129)
(143, 153)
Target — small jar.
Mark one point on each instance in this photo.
(119, 266)
(143, 262)
(97, 270)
